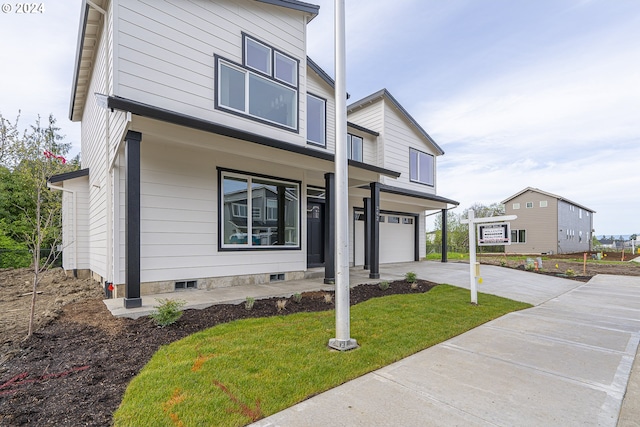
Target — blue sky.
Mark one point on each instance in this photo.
(542, 93)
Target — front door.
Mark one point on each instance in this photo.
(315, 234)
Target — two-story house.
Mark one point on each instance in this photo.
(547, 223)
(208, 142)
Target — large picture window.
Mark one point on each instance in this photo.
(275, 207)
(421, 167)
(264, 87)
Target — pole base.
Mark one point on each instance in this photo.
(343, 345)
(132, 302)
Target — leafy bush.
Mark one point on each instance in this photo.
(12, 253)
(248, 304)
(570, 272)
(328, 298)
(168, 312)
(296, 298)
(383, 285)
(411, 277)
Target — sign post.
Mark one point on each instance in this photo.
(492, 233)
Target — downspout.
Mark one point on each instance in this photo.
(75, 220)
(107, 172)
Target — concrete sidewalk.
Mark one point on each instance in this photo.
(565, 362)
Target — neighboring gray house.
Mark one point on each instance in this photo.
(548, 223)
(208, 141)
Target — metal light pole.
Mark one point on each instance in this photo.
(342, 341)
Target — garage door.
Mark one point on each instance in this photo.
(397, 238)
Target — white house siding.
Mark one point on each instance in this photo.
(318, 87)
(372, 118)
(399, 135)
(166, 53)
(179, 216)
(75, 224)
(93, 135)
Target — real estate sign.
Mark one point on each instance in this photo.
(492, 234)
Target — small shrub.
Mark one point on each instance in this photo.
(168, 312)
(297, 298)
(411, 277)
(248, 304)
(528, 267)
(281, 304)
(503, 263)
(328, 298)
(383, 285)
(570, 272)
(414, 286)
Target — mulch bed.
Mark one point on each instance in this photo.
(74, 371)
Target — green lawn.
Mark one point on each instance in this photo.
(233, 373)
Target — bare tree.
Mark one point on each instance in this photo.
(41, 155)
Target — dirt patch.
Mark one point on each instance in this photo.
(54, 291)
(558, 265)
(74, 369)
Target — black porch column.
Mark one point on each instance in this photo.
(329, 228)
(444, 235)
(374, 240)
(132, 224)
(367, 231)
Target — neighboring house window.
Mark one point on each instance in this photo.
(543, 203)
(518, 236)
(580, 213)
(354, 147)
(316, 120)
(279, 201)
(516, 206)
(529, 204)
(264, 87)
(421, 167)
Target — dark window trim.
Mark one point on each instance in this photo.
(222, 170)
(217, 105)
(434, 168)
(317, 144)
(350, 155)
(272, 75)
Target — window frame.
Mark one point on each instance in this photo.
(249, 246)
(268, 77)
(528, 205)
(324, 119)
(418, 180)
(350, 156)
(518, 233)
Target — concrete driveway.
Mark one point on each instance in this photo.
(565, 362)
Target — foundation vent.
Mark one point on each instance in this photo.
(186, 284)
(278, 277)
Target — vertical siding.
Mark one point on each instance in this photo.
(541, 224)
(166, 53)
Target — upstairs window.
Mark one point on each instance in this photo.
(421, 167)
(354, 147)
(316, 120)
(264, 87)
(516, 206)
(543, 203)
(529, 205)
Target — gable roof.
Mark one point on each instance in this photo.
(385, 94)
(555, 196)
(91, 23)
